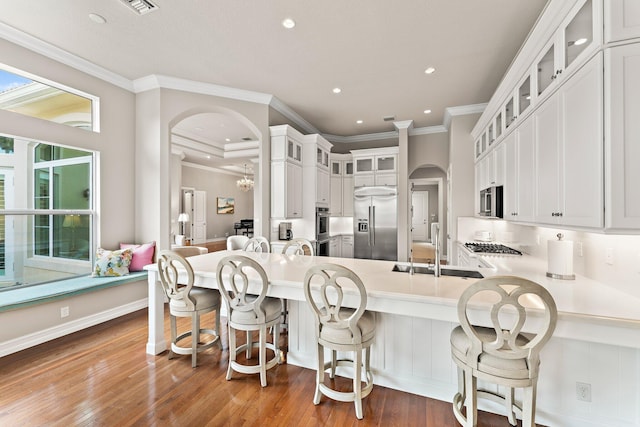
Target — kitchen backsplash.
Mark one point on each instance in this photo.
(610, 259)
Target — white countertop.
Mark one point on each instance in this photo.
(587, 310)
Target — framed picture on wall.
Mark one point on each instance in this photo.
(226, 205)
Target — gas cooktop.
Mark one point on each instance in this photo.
(491, 248)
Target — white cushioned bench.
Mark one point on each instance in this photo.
(37, 294)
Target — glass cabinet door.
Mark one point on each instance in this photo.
(364, 165)
(509, 115)
(348, 167)
(578, 34)
(524, 94)
(546, 70)
(336, 167)
(386, 163)
(490, 134)
(499, 125)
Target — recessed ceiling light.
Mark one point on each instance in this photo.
(227, 139)
(288, 23)
(98, 19)
(359, 122)
(208, 157)
(430, 70)
(580, 41)
(427, 111)
(337, 90)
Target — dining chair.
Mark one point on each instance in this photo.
(298, 246)
(501, 354)
(243, 284)
(185, 300)
(235, 243)
(257, 244)
(340, 328)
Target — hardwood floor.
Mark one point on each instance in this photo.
(102, 377)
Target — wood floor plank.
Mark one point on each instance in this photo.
(102, 376)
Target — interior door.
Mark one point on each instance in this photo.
(199, 223)
(420, 217)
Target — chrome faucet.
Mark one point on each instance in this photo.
(435, 239)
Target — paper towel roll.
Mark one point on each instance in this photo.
(560, 259)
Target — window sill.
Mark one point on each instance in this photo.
(39, 294)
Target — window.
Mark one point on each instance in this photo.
(34, 96)
(46, 212)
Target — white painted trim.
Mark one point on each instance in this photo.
(462, 110)
(361, 138)
(158, 81)
(404, 124)
(212, 169)
(428, 130)
(50, 51)
(286, 111)
(36, 338)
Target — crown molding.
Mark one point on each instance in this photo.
(404, 124)
(41, 47)
(212, 169)
(159, 81)
(361, 138)
(286, 111)
(428, 130)
(462, 110)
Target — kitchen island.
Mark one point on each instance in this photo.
(415, 315)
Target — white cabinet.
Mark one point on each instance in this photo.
(347, 246)
(622, 136)
(315, 165)
(376, 166)
(323, 185)
(341, 166)
(335, 246)
(577, 37)
(622, 20)
(519, 173)
(286, 173)
(569, 145)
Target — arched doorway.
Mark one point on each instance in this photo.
(211, 149)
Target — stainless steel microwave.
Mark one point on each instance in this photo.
(491, 202)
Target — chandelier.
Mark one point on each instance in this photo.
(245, 184)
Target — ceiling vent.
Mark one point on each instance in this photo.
(389, 118)
(141, 7)
(247, 138)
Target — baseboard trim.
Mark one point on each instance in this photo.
(36, 338)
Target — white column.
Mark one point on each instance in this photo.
(404, 213)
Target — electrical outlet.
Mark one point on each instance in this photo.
(583, 392)
(64, 311)
(608, 256)
(579, 249)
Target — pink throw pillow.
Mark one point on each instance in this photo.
(142, 254)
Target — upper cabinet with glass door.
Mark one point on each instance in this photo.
(571, 45)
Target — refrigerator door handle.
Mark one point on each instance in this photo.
(373, 228)
(370, 226)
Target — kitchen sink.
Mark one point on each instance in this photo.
(443, 271)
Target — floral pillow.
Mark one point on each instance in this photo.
(112, 263)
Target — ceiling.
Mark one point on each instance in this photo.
(375, 51)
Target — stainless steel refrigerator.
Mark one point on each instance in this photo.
(375, 223)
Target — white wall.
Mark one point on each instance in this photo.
(115, 172)
(217, 184)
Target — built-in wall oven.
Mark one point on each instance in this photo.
(322, 231)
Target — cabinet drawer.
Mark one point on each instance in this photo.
(386, 179)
